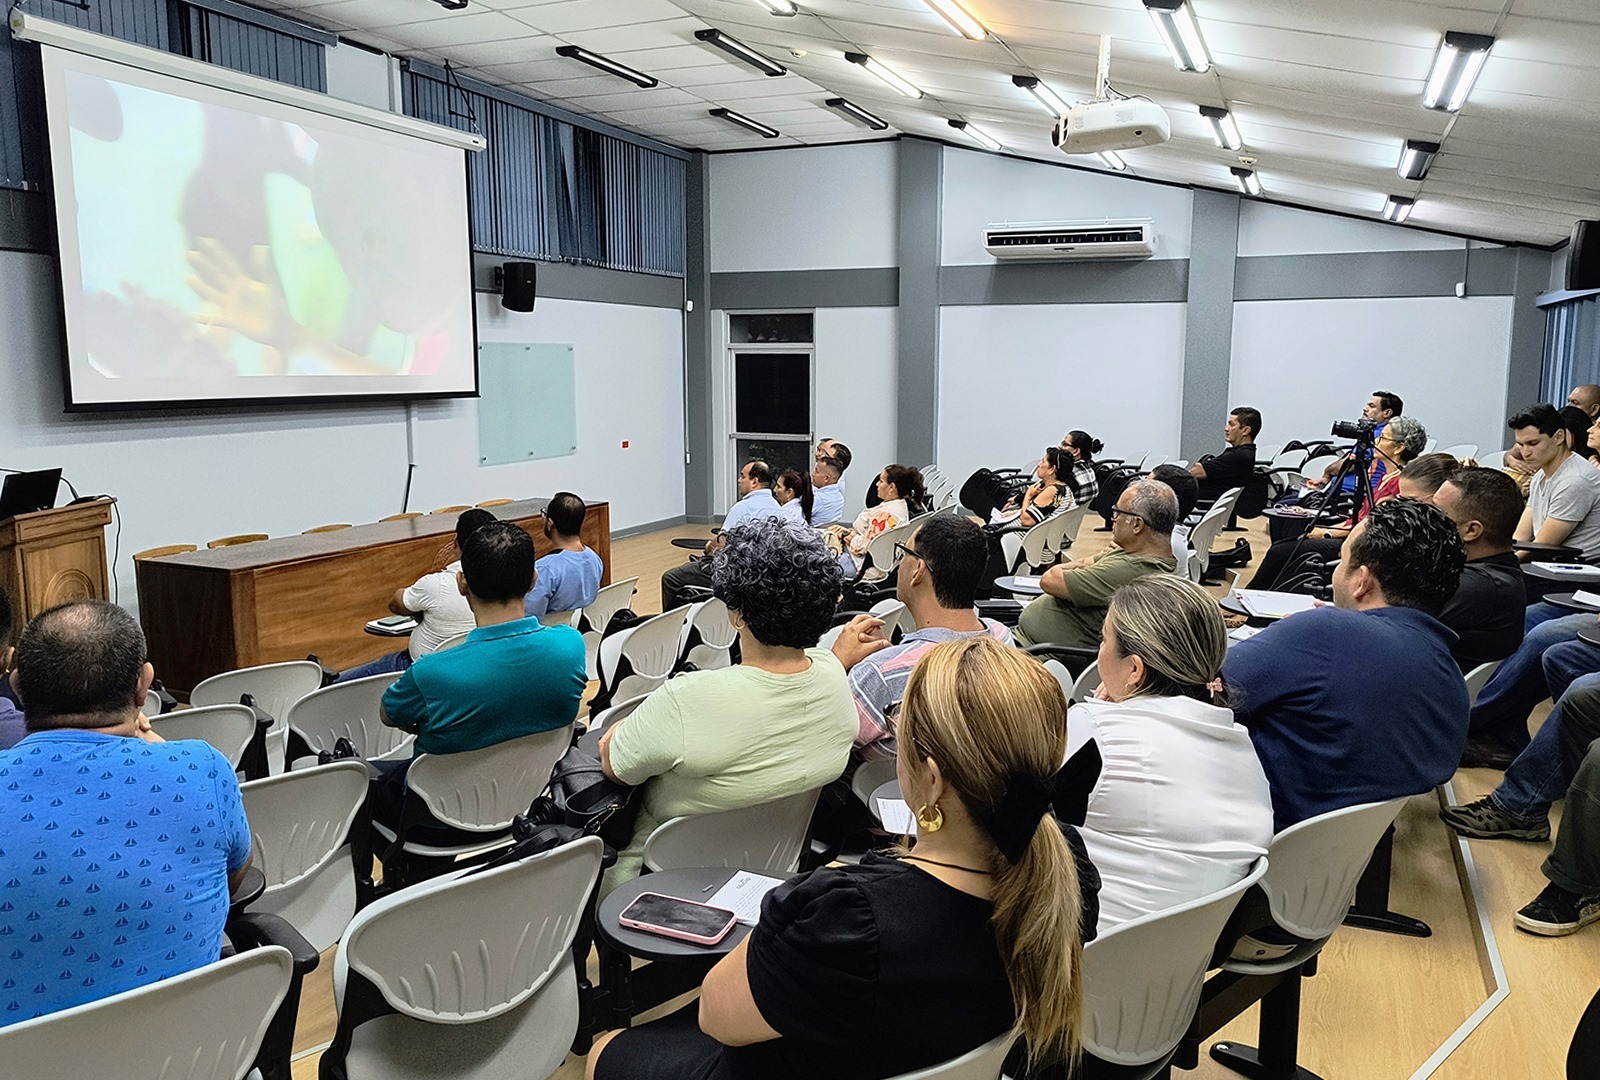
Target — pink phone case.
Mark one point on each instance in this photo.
(672, 932)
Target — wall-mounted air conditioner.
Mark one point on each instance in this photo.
(1060, 240)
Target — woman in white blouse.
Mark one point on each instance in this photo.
(1181, 807)
(901, 496)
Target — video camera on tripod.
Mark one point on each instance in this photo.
(1362, 431)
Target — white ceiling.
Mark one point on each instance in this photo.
(1325, 91)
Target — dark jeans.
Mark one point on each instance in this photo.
(1549, 658)
(392, 663)
(1540, 774)
(1575, 863)
(1276, 559)
(688, 575)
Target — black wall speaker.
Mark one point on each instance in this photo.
(519, 285)
(1583, 256)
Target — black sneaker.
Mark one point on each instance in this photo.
(1557, 912)
(1487, 754)
(1483, 820)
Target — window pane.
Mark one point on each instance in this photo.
(772, 393)
(778, 453)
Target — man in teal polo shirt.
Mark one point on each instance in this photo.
(511, 677)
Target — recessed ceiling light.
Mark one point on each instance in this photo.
(977, 135)
(1397, 208)
(611, 67)
(1249, 183)
(745, 122)
(1043, 94)
(851, 109)
(1176, 24)
(1111, 160)
(1224, 129)
(894, 79)
(740, 51)
(960, 20)
(778, 7)
(1455, 69)
(1416, 157)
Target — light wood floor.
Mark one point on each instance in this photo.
(1380, 1005)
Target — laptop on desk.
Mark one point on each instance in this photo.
(25, 492)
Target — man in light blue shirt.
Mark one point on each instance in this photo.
(756, 501)
(827, 482)
(568, 578)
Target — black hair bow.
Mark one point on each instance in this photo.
(1028, 798)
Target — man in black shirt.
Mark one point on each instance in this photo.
(1231, 468)
(1487, 611)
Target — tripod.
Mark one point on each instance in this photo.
(1355, 463)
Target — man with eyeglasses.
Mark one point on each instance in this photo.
(1073, 609)
(940, 571)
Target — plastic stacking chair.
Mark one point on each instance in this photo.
(768, 837)
(273, 688)
(233, 541)
(604, 719)
(561, 618)
(161, 552)
(1462, 450)
(708, 636)
(301, 827)
(984, 1063)
(208, 1024)
(1142, 981)
(350, 710)
(1205, 534)
(640, 658)
(597, 616)
(1495, 460)
(871, 775)
(1478, 678)
(1087, 682)
(452, 641)
(229, 728)
(449, 510)
(468, 976)
(402, 517)
(477, 792)
(897, 619)
(487, 503)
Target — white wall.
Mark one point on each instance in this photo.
(1014, 379)
(983, 189)
(856, 390)
(190, 476)
(1267, 229)
(824, 208)
(1306, 363)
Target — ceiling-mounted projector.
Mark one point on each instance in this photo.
(1118, 124)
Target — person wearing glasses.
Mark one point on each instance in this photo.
(940, 571)
(1072, 610)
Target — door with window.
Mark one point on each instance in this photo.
(771, 358)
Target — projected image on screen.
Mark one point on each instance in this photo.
(218, 246)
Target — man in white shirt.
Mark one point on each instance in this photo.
(828, 495)
(1564, 495)
(756, 501)
(437, 604)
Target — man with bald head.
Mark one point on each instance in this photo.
(1587, 398)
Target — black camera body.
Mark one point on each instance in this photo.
(1359, 430)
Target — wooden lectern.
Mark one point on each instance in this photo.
(52, 556)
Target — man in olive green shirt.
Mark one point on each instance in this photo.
(1077, 593)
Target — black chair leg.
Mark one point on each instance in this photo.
(1275, 1059)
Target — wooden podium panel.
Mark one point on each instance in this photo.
(206, 612)
(52, 556)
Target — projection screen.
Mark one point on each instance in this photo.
(221, 247)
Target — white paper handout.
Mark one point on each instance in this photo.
(1570, 570)
(1584, 596)
(743, 894)
(897, 817)
(1273, 605)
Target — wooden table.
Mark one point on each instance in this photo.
(211, 611)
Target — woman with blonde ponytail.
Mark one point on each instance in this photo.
(904, 962)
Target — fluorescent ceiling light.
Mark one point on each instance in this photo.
(977, 135)
(1180, 32)
(778, 7)
(1111, 160)
(1249, 183)
(1455, 69)
(1224, 129)
(851, 109)
(611, 67)
(740, 51)
(1047, 97)
(1416, 158)
(1397, 208)
(745, 122)
(892, 78)
(960, 20)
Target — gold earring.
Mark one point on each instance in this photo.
(929, 821)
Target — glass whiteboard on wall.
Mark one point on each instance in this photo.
(528, 408)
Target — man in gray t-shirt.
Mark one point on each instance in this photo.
(1564, 496)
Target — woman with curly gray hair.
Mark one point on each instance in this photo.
(779, 723)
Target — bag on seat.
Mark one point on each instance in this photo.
(582, 797)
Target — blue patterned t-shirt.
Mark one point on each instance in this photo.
(114, 863)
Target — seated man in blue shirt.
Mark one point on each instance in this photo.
(511, 677)
(569, 577)
(1361, 702)
(756, 501)
(120, 850)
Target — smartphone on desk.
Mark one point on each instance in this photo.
(394, 622)
(685, 920)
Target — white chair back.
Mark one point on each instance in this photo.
(452, 641)
(607, 717)
(983, 1063)
(229, 728)
(561, 618)
(351, 710)
(1142, 979)
(829, 636)
(869, 776)
(1316, 466)
(1268, 451)
(1462, 450)
(894, 614)
(1495, 460)
(881, 550)
(482, 790)
(274, 687)
(473, 948)
(597, 616)
(299, 826)
(1087, 682)
(1204, 534)
(708, 621)
(767, 837)
(210, 1023)
(1477, 679)
(651, 652)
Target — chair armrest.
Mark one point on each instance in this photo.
(257, 929)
